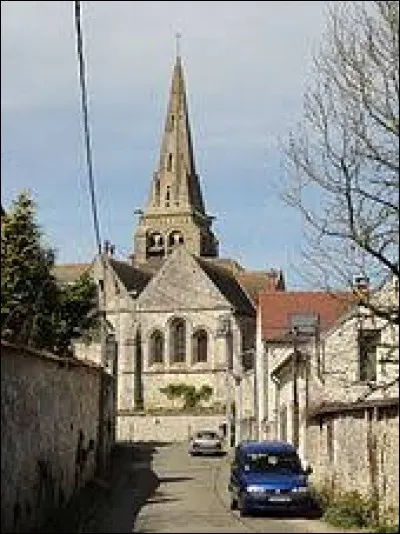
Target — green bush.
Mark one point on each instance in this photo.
(191, 396)
(350, 509)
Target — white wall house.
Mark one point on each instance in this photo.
(338, 399)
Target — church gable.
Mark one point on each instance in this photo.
(180, 284)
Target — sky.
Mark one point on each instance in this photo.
(247, 65)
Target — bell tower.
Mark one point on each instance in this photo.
(175, 211)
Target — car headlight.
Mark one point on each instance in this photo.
(300, 489)
(255, 489)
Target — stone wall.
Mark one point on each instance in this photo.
(165, 428)
(51, 444)
(358, 450)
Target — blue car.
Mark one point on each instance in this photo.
(268, 475)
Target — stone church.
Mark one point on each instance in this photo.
(178, 312)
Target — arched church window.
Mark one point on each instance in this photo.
(156, 347)
(175, 238)
(156, 243)
(178, 341)
(200, 346)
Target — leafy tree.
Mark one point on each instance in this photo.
(344, 157)
(77, 312)
(28, 289)
(35, 310)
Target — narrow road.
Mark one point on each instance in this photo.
(159, 487)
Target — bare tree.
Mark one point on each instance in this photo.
(344, 157)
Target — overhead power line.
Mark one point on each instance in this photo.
(89, 159)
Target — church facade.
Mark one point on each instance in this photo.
(179, 313)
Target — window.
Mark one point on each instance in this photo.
(269, 462)
(156, 347)
(200, 346)
(178, 341)
(368, 341)
(175, 238)
(157, 193)
(169, 162)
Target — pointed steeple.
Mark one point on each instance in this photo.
(175, 211)
(175, 181)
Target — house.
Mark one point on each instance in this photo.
(331, 387)
(289, 327)
(353, 415)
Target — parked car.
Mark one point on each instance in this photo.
(268, 475)
(206, 442)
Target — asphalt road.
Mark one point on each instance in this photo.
(159, 487)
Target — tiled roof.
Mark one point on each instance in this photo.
(276, 308)
(342, 407)
(133, 278)
(69, 272)
(228, 285)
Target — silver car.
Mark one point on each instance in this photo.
(206, 442)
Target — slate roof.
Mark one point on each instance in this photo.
(276, 308)
(133, 278)
(256, 282)
(239, 286)
(253, 282)
(229, 286)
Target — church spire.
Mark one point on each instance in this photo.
(176, 202)
(176, 183)
(178, 44)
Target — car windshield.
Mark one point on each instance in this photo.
(206, 435)
(266, 462)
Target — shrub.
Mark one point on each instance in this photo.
(191, 396)
(350, 509)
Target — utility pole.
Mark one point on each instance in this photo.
(303, 326)
(101, 450)
(295, 424)
(224, 330)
